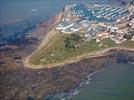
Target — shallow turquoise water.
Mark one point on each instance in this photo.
(113, 83)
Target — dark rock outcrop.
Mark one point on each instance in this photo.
(22, 83)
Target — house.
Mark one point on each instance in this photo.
(102, 34)
(112, 28)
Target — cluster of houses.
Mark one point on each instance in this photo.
(68, 27)
(96, 25)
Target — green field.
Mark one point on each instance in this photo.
(128, 43)
(55, 51)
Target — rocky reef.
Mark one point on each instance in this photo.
(23, 84)
(17, 82)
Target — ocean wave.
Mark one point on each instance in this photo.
(34, 10)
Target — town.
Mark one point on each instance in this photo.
(99, 22)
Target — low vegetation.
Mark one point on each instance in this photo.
(129, 36)
(65, 46)
(72, 42)
(127, 44)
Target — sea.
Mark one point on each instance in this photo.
(20, 17)
(116, 82)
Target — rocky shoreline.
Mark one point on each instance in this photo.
(18, 82)
(12, 55)
(75, 91)
(114, 56)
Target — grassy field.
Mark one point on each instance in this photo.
(128, 43)
(55, 52)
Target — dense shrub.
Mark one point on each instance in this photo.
(72, 41)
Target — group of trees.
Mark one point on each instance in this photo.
(72, 41)
(129, 35)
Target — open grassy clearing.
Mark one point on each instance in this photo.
(128, 43)
(55, 52)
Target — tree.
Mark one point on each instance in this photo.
(113, 33)
(72, 41)
(128, 36)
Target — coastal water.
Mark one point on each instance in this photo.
(113, 83)
(20, 17)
